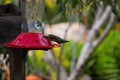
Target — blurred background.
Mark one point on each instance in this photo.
(92, 28)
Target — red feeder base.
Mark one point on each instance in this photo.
(30, 41)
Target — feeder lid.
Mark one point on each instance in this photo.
(30, 41)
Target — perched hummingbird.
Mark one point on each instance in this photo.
(56, 39)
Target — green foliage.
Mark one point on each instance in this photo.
(105, 63)
(36, 64)
(65, 9)
(6, 1)
(71, 49)
(113, 3)
(5, 59)
(2, 1)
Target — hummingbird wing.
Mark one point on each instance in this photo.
(56, 38)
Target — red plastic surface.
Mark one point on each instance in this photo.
(30, 41)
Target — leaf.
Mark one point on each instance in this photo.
(8, 1)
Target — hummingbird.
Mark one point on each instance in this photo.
(56, 39)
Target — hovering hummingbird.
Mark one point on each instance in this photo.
(56, 39)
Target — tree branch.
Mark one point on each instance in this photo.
(50, 59)
(88, 47)
(106, 31)
(74, 56)
(52, 62)
(99, 11)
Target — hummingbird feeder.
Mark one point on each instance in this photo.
(30, 41)
(12, 23)
(26, 38)
(19, 48)
(14, 35)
